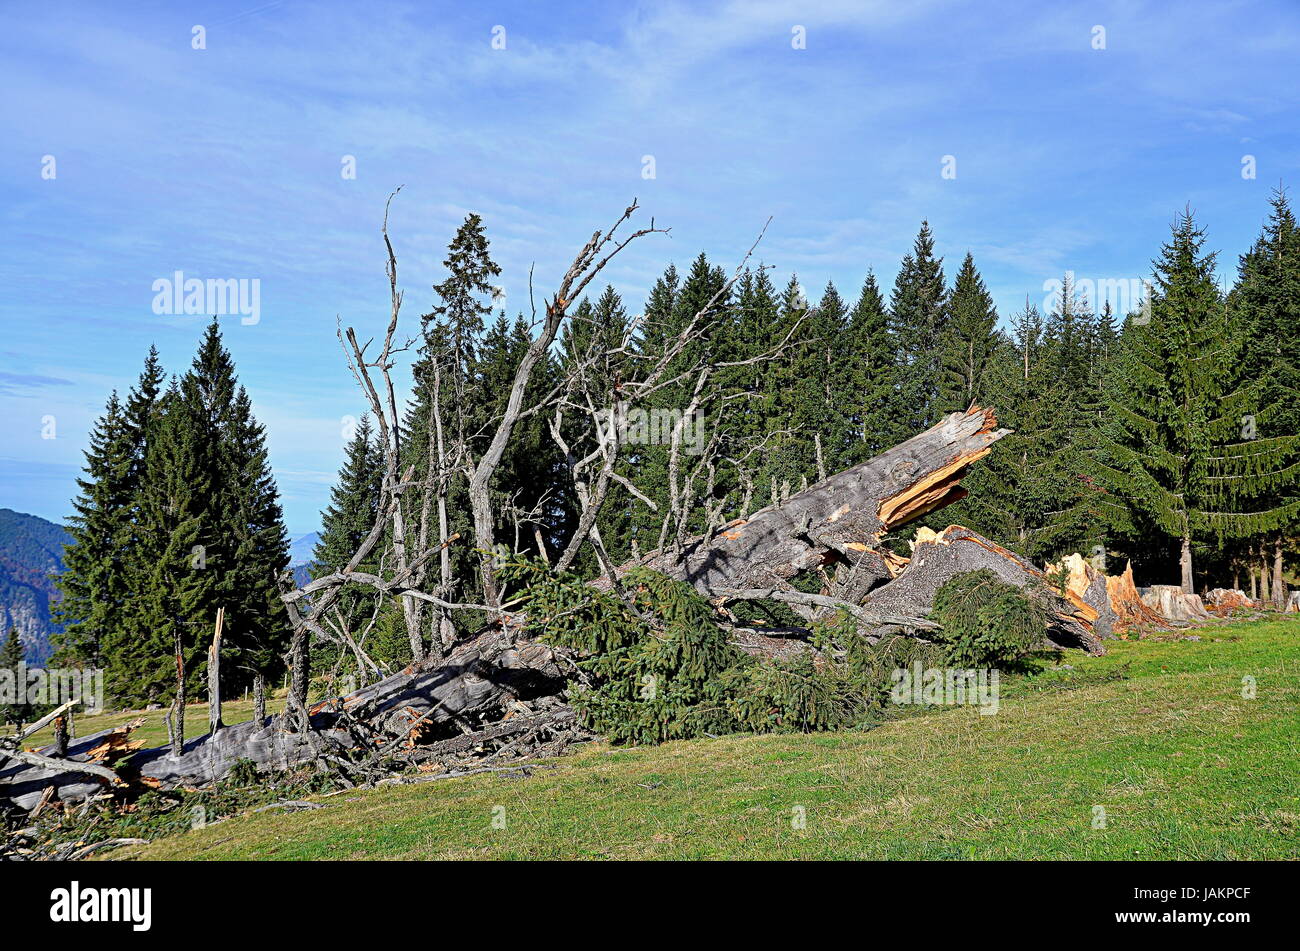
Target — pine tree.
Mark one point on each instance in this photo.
(918, 316)
(1173, 453)
(172, 578)
(93, 582)
(449, 356)
(98, 607)
(1265, 305)
(256, 632)
(872, 361)
(756, 390)
(695, 302)
(819, 390)
(12, 655)
(1016, 491)
(967, 341)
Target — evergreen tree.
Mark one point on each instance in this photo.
(872, 364)
(918, 315)
(98, 608)
(12, 655)
(93, 582)
(1173, 453)
(967, 342)
(1265, 305)
(172, 580)
(449, 360)
(1016, 492)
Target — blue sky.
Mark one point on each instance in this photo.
(225, 162)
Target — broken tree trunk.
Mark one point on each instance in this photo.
(471, 685)
(1130, 610)
(939, 557)
(1085, 583)
(214, 675)
(86, 769)
(840, 520)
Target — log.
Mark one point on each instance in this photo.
(25, 777)
(473, 683)
(839, 520)
(938, 557)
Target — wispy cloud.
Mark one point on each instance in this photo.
(226, 162)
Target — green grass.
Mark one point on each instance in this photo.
(153, 732)
(1185, 767)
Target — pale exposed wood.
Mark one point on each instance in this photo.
(214, 674)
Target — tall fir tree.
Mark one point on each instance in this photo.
(1265, 305)
(872, 362)
(94, 578)
(171, 577)
(1174, 455)
(967, 342)
(12, 654)
(918, 310)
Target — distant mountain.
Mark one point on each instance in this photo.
(302, 548)
(31, 550)
(301, 551)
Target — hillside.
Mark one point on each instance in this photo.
(1157, 733)
(31, 550)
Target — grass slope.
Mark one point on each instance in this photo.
(1185, 767)
(153, 732)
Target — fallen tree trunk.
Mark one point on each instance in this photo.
(26, 778)
(472, 685)
(475, 684)
(939, 557)
(841, 519)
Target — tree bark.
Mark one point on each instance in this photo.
(1185, 565)
(839, 520)
(1279, 588)
(1265, 588)
(259, 696)
(178, 704)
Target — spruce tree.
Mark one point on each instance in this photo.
(172, 579)
(12, 654)
(918, 311)
(93, 581)
(967, 342)
(872, 365)
(1173, 454)
(1265, 305)
(1015, 491)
